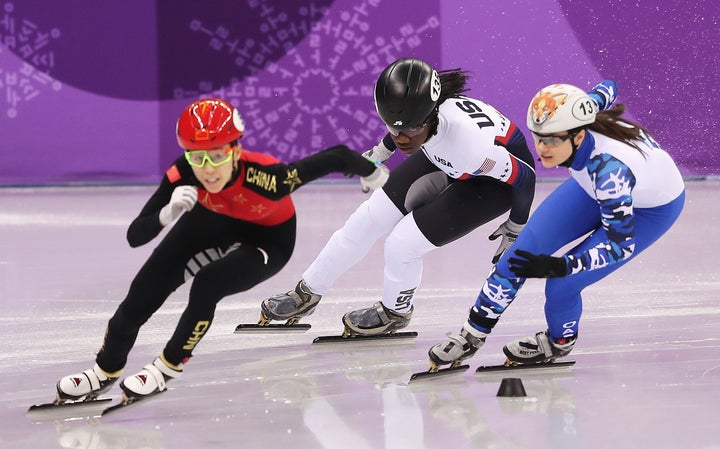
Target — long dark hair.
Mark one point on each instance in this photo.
(453, 83)
(611, 123)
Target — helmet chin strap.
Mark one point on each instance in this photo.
(236, 165)
(433, 123)
(568, 162)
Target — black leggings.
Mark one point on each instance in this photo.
(445, 209)
(227, 256)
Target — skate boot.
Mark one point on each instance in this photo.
(150, 380)
(539, 348)
(375, 320)
(459, 348)
(290, 306)
(87, 385)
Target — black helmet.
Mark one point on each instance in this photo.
(406, 93)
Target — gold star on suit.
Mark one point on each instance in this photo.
(292, 179)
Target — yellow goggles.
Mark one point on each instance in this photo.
(216, 158)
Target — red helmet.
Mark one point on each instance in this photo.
(209, 123)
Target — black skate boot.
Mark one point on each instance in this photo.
(87, 385)
(539, 348)
(290, 306)
(459, 348)
(151, 380)
(375, 320)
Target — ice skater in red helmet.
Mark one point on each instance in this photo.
(234, 227)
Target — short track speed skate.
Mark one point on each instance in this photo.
(80, 391)
(63, 409)
(150, 381)
(126, 401)
(346, 337)
(289, 307)
(434, 373)
(262, 328)
(373, 323)
(534, 367)
(452, 352)
(534, 354)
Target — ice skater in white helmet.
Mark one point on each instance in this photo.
(623, 194)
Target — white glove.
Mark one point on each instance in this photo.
(183, 199)
(376, 179)
(378, 153)
(509, 232)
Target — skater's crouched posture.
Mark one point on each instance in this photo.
(467, 164)
(624, 193)
(235, 228)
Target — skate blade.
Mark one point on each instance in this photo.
(356, 338)
(54, 411)
(444, 372)
(127, 401)
(262, 328)
(535, 367)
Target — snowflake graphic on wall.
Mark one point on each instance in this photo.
(26, 60)
(320, 92)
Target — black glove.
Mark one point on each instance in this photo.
(537, 265)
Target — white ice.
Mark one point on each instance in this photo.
(648, 358)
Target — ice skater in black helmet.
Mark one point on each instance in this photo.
(467, 164)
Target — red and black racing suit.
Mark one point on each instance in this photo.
(227, 243)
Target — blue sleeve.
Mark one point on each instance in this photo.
(614, 182)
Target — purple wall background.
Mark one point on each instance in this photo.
(90, 91)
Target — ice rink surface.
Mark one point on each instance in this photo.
(648, 357)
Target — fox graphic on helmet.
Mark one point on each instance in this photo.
(545, 104)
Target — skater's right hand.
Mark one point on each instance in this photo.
(376, 179)
(529, 265)
(378, 153)
(183, 199)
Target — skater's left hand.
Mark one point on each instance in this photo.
(509, 232)
(529, 265)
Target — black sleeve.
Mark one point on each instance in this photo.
(524, 184)
(337, 159)
(146, 225)
(522, 194)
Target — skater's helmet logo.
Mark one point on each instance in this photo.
(545, 104)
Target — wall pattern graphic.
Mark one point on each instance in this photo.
(92, 90)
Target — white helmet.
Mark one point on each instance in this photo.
(560, 107)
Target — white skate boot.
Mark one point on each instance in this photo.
(538, 348)
(87, 385)
(375, 320)
(459, 348)
(290, 306)
(150, 380)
